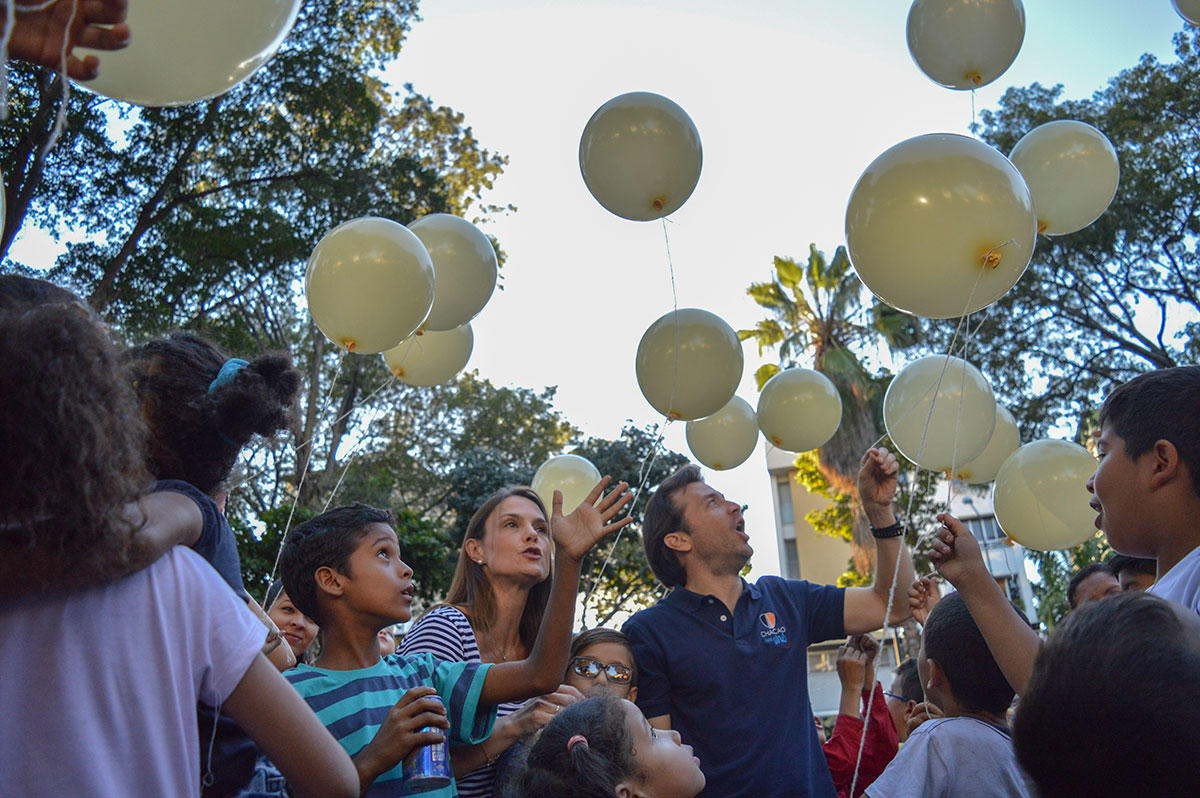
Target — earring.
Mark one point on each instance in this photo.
(479, 562)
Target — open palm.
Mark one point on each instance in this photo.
(577, 533)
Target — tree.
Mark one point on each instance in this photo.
(1123, 295)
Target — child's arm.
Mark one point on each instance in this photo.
(865, 606)
(167, 519)
(574, 536)
(400, 734)
(851, 670)
(536, 713)
(276, 717)
(956, 554)
(38, 36)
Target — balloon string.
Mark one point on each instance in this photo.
(357, 448)
(675, 318)
(287, 527)
(887, 613)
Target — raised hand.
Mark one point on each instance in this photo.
(577, 533)
(38, 35)
(401, 732)
(955, 552)
(851, 665)
(870, 648)
(923, 594)
(878, 477)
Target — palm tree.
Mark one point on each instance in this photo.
(819, 309)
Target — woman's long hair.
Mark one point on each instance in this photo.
(471, 588)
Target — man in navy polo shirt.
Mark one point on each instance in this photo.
(724, 662)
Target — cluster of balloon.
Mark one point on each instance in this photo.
(799, 409)
(184, 51)
(1188, 9)
(431, 357)
(1072, 172)
(963, 412)
(464, 267)
(570, 474)
(640, 156)
(965, 44)
(369, 284)
(940, 226)
(1005, 440)
(689, 363)
(1040, 497)
(726, 438)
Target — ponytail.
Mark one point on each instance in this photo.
(584, 752)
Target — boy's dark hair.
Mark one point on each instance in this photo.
(663, 517)
(591, 770)
(952, 638)
(1082, 574)
(590, 637)
(196, 433)
(327, 540)
(1158, 405)
(1117, 683)
(72, 440)
(910, 681)
(1138, 565)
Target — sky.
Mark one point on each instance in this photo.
(792, 100)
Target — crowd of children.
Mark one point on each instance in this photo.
(112, 498)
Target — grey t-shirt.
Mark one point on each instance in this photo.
(954, 757)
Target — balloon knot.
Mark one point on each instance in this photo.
(349, 344)
(718, 467)
(421, 330)
(1041, 226)
(658, 204)
(775, 439)
(991, 259)
(398, 372)
(672, 416)
(1009, 541)
(975, 77)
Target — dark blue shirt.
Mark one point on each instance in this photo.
(216, 543)
(736, 684)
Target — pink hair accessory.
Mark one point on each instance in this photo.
(576, 740)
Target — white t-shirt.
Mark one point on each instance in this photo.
(98, 688)
(954, 757)
(1181, 584)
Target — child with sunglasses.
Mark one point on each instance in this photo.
(601, 663)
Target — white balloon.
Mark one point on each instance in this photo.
(1041, 498)
(1072, 172)
(464, 267)
(726, 438)
(965, 44)
(570, 474)
(369, 284)
(1189, 10)
(963, 416)
(183, 51)
(1005, 440)
(431, 357)
(799, 409)
(940, 225)
(640, 156)
(689, 363)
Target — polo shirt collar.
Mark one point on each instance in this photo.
(692, 601)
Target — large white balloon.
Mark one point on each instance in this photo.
(1072, 172)
(1006, 439)
(965, 44)
(963, 415)
(571, 474)
(1041, 498)
(726, 438)
(464, 267)
(183, 51)
(431, 357)
(640, 156)
(689, 363)
(799, 409)
(1188, 9)
(369, 284)
(940, 225)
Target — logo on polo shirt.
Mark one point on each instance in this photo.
(772, 633)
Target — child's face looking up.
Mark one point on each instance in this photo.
(604, 654)
(665, 767)
(377, 582)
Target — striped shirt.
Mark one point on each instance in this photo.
(447, 634)
(353, 704)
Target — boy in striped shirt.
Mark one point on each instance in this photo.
(343, 569)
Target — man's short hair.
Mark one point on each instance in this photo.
(1158, 405)
(910, 681)
(953, 639)
(663, 516)
(1082, 574)
(590, 637)
(1138, 565)
(326, 540)
(1113, 705)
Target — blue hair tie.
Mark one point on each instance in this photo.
(228, 371)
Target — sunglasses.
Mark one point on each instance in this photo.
(589, 668)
